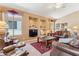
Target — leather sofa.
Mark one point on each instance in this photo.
(58, 34)
(60, 49)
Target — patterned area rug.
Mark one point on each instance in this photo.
(40, 47)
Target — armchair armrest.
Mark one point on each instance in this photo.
(21, 53)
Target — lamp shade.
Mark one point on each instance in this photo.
(3, 27)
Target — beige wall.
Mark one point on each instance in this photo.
(26, 23)
(72, 20)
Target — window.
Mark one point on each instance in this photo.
(60, 26)
(57, 27)
(15, 25)
(12, 24)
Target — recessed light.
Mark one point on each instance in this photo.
(50, 6)
(59, 5)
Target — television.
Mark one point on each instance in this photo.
(33, 32)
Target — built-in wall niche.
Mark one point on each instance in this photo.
(33, 22)
(42, 24)
(33, 26)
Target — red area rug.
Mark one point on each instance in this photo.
(40, 47)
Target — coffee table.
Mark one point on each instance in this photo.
(47, 40)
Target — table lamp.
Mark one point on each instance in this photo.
(3, 27)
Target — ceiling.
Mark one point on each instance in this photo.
(46, 9)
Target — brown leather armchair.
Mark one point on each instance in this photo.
(11, 51)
